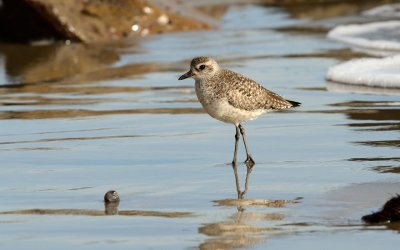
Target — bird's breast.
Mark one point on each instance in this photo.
(219, 108)
(205, 93)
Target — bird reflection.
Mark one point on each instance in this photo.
(249, 166)
(235, 232)
(243, 228)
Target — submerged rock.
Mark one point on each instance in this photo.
(89, 20)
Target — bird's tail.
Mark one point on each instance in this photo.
(294, 104)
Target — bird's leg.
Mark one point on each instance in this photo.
(249, 161)
(237, 135)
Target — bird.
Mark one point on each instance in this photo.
(232, 98)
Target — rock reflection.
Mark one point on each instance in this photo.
(374, 116)
(111, 208)
(32, 64)
(75, 63)
(46, 114)
(388, 169)
(385, 115)
(386, 164)
(71, 79)
(388, 143)
(394, 226)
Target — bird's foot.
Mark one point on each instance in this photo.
(249, 161)
(241, 195)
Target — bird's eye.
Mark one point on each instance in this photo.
(202, 67)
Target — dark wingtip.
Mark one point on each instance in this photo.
(294, 104)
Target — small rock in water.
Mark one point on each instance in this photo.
(389, 213)
(111, 196)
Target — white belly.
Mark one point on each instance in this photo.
(225, 112)
(220, 109)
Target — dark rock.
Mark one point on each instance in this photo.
(111, 196)
(88, 20)
(20, 21)
(389, 213)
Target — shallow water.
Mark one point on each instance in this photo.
(79, 120)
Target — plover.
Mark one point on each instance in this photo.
(232, 98)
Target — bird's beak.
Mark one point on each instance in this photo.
(186, 75)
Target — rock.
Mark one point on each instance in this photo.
(111, 196)
(89, 20)
(390, 212)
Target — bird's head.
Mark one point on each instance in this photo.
(201, 68)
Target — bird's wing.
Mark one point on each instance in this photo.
(246, 94)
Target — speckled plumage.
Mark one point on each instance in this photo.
(246, 94)
(231, 97)
(217, 89)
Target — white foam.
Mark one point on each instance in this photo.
(389, 10)
(374, 72)
(377, 36)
